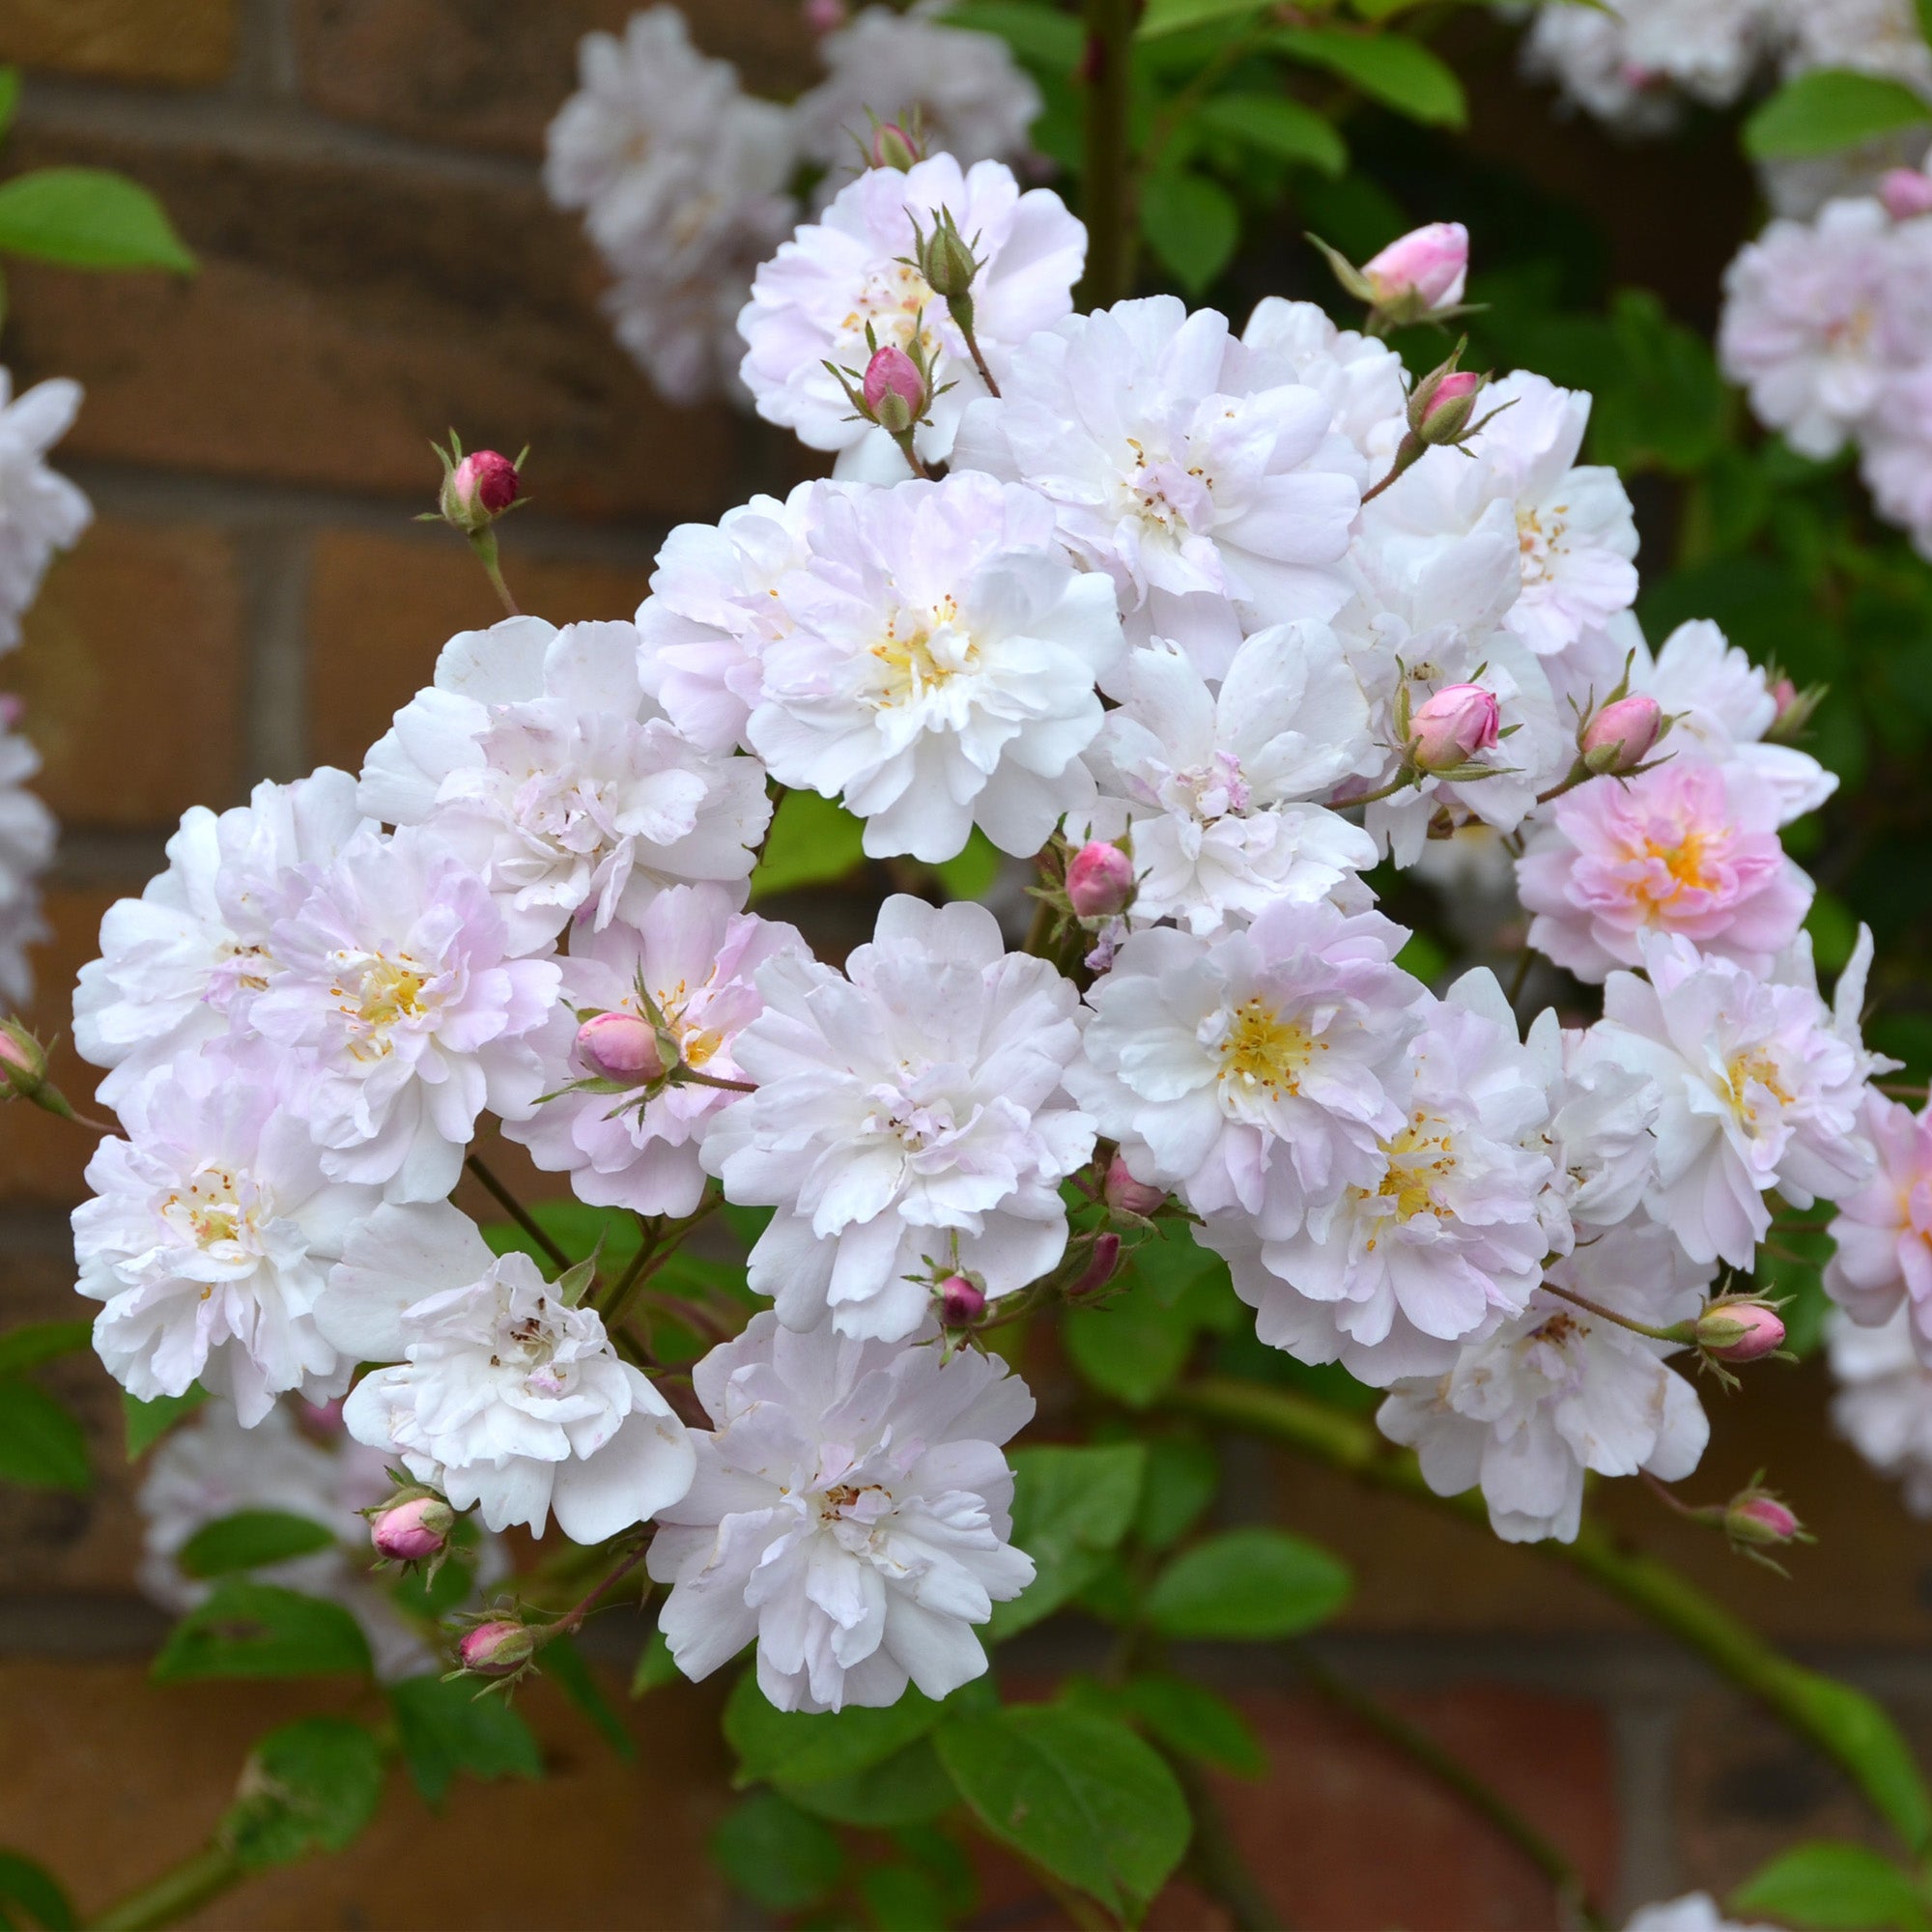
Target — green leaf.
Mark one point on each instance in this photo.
(1847, 1888)
(88, 219)
(1191, 223)
(612, 1234)
(311, 1785)
(1398, 72)
(24, 1885)
(776, 1855)
(27, 1347)
(1922, 10)
(251, 1539)
(1248, 1583)
(1827, 109)
(1664, 406)
(1181, 1478)
(254, 1630)
(910, 1788)
(1042, 37)
(813, 842)
(10, 96)
(902, 1898)
(1132, 1348)
(1277, 126)
(149, 1421)
(447, 1728)
(1189, 1719)
(1867, 1742)
(970, 874)
(564, 1662)
(655, 1666)
(1071, 1507)
(1079, 1794)
(40, 1444)
(940, 1858)
(1170, 16)
(806, 1747)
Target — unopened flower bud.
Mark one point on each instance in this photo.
(1440, 412)
(23, 1061)
(410, 1530)
(497, 1648)
(1619, 737)
(892, 147)
(824, 16)
(1130, 1196)
(1906, 192)
(894, 391)
(1757, 1518)
(622, 1047)
(479, 488)
(1423, 271)
(1101, 1266)
(1739, 1331)
(946, 261)
(1099, 880)
(962, 1302)
(12, 708)
(1794, 709)
(1451, 727)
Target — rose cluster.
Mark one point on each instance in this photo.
(1208, 625)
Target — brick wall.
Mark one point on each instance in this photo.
(379, 264)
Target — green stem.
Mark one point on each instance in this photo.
(484, 543)
(1572, 1893)
(651, 1256)
(1640, 1582)
(1106, 187)
(1683, 1335)
(176, 1893)
(517, 1211)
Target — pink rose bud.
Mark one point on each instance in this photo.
(1099, 1269)
(1451, 727)
(495, 1649)
(960, 1302)
(823, 16)
(1783, 694)
(892, 146)
(1128, 1195)
(412, 1531)
(1099, 880)
(1757, 1518)
(1794, 709)
(1619, 737)
(12, 708)
(1446, 409)
(1740, 1331)
(487, 481)
(894, 390)
(1906, 192)
(622, 1047)
(1425, 267)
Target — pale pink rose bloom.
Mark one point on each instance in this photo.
(1429, 262)
(1883, 1232)
(1687, 849)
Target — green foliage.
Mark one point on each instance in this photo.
(902, 1898)
(1277, 126)
(1190, 1719)
(1867, 1738)
(30, 1895)
(778, 1855)
(10, 98)
(251, 1539)
(1180, 1482)
(1828, 109)
(147, 1422)
(88, 219)
(1071, 1506)
(41, 1443)
(1134, 1346)
(564, 1664)
(1845, 1888)
(310, 1786)
(1191, 223)
(1042, 37)
(1174, 16)
(443, 1728)
(1079, 1794)
(813, 841)
(255, 1629)
(1247, 1583)
(807, 1747)
(36, 1342)
(655, 1666)
(909, 1788)
(612, 1234)
(1398, 73)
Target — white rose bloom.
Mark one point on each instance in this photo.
(1721, 706)
(909, 1123)
(1394, 1276)
(1760, 1086)
(1208, 486)
(852, 1513)
(28, 834)
(1883, 1231)
(1215, 787)
(1261, 1073)
(698, 959)
(299, 1464)
(1694, 1912)
(1358, 377)
(41, 511)
(714, 609)
(183, 963)
(537, 756)
(505, 1397)
(813, 303)
(401, 1013)
(1883, 1404)
(1628, 62)
(939, 667)
(1557, 1391)
(1575, 533)
(963, 90)
(1602, 1117)
(210, 1238)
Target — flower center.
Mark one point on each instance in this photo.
(210, 1213)
(1420, 1155)
(1687, 864)
(1167, 495)
(1754, 1067)
(1208, 792)
(378, 994)
(899, 305)
(921, 654)
(1535, 544)
(1263, 1052)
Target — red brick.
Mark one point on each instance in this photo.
(185, 43)
(491, 76)
(133, 677)
(381, 607)
(344, 315)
